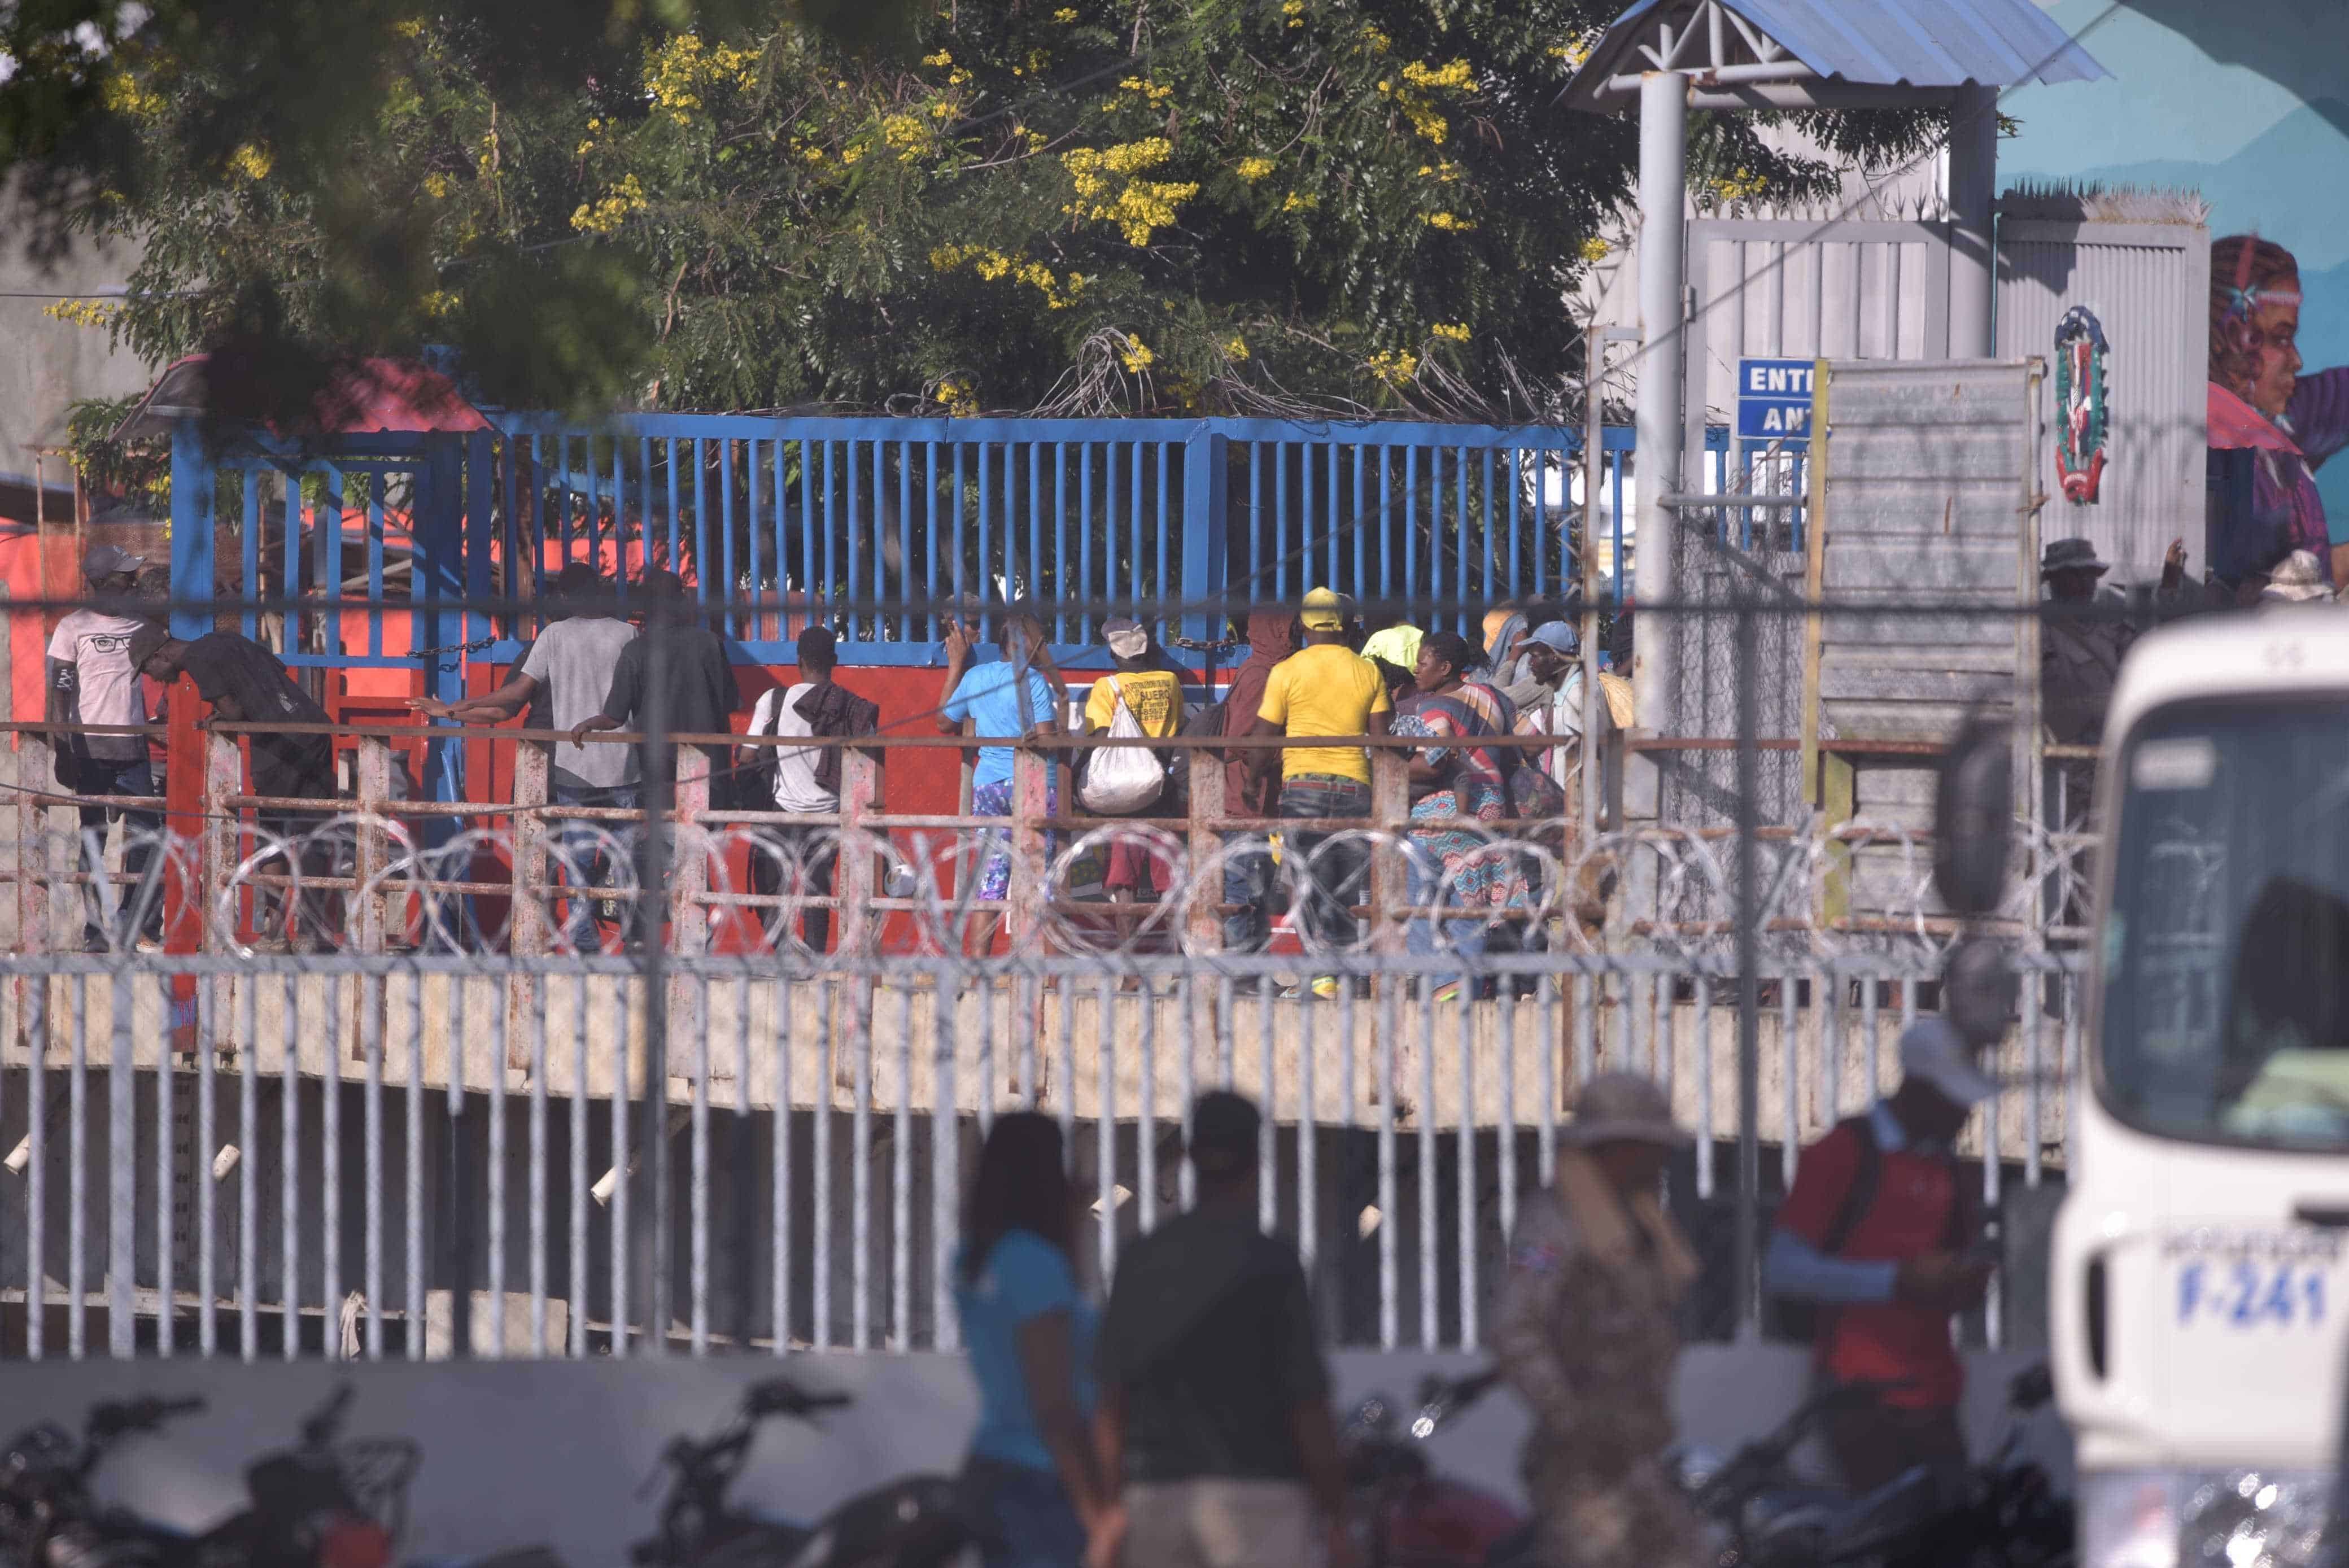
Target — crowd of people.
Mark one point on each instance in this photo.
(1311, 672)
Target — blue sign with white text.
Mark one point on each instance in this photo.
(1773, 400)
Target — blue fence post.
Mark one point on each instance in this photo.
(436, 584)
(1206, 560)
(191, 529)
(480, 472)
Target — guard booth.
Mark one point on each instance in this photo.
(1736, 305)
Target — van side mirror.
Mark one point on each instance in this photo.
(1974, 817)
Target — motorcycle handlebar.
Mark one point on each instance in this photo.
(1469, 1389)
(1458, 1395)
(323, 1424)
(781, 1397)
(116, 1418)
(1753, 1463)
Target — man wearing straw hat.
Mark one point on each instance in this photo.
(1584, 1333)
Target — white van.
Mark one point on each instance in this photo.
(2200, 1289)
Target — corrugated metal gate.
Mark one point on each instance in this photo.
(1928, 492)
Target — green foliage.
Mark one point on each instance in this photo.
(1222, 205)
(138, 474)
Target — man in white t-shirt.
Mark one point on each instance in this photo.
(91, 680)
(570, 666)
(805, 778)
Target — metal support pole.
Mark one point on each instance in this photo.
(1390, 876)
(646, 1249)
(1973, 188)
(1663, 191)
(1749, 992)
(1594, 475)
(1663, 195)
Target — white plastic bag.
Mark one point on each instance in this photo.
(1121, 780)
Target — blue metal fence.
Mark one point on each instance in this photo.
(896, 519)
(879, 526)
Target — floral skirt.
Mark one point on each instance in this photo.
(1478, 872)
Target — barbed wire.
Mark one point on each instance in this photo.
(1530, 885)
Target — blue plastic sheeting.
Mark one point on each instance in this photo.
(1911, 43)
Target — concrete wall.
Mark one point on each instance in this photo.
(49, 363)
(556, 1453)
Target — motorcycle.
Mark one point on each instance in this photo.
(918, 1521)
(1408, 1515)
(327, 1503)
(2004, 1514)
(48, 1517)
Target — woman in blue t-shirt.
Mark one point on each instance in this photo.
(1030, 1335)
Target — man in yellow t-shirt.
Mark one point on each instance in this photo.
(1326, 689)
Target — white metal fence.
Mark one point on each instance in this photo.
(419, 1157)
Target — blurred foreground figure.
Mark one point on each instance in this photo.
(1584, 1335)
(1215, 1400)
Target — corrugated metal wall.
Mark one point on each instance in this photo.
(2148, 285)
(1786, 287)
(1832, 290)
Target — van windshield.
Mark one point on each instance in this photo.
(2225, 1005)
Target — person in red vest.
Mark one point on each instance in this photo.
(1882, 1238)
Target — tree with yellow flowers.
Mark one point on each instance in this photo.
(1140, 206)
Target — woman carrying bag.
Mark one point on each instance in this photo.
(1142, 700)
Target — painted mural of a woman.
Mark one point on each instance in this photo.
(2259, 402)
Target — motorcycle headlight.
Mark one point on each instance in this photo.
(2204, 1518)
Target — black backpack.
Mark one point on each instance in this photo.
(1788, 1318)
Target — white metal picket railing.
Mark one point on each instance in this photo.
(430, 1156)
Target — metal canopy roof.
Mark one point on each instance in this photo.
(1794, 53)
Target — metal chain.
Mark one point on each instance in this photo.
(475, 647)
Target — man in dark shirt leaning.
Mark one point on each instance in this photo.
(1215, 1400)
(674, 680)
(245, 683)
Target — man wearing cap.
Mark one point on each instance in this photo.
(1324, 689)
(1584, 1332)
(91, 680)
(1214, 1414)
(2080, 657)
(1883, 1239)
(1549, 701)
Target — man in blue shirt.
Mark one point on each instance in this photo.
(1007, 699)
